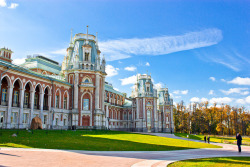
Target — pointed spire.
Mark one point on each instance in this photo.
(87, 41)
(71, 40)
(97, 41)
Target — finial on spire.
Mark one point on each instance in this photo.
(71, 41)
(96, 39)
(147, 72)
(87, 34)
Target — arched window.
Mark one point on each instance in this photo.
(86, 102)
(65, 101)
(86, 81)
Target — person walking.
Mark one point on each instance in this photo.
(205, 138)
(208, 139)
(239, 138)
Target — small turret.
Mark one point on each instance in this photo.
(5, 54)
(103, 63)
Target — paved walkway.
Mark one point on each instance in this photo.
(64, 158)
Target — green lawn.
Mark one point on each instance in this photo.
(218, 139)
(94, 140)
(209, 162)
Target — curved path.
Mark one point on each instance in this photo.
(49, 157)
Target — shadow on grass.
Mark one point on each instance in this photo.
(75, 140)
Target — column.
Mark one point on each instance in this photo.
(143, 114)
(97, 90)
(107, 115)
(41, 106)
(21, 109)
(76, 90)
(32, 95)
(103, 93)
(10, 93)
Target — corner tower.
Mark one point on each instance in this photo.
(165, 107)
(145, 99)
(83, 69)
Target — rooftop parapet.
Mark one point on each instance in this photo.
(144, 76)
(84, 36)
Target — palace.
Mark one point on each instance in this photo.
(75, 94)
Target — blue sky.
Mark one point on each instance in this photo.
(199, 49)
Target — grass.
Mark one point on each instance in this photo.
(209, 162)
(217, 139)
(94, 140)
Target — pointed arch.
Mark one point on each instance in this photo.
(88, 101)
(46, 98)
(28, 89)
(87, 79)
(66, 100)
(38, 90)
(17, 92)
(5, 84)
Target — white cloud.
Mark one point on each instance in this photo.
(129, 80)
(125, 48)
(227, 64)
(131, 68)
(211, 92)
(59, 52)
(147, 64)
(212, 78)
(195, 99)
(116, 89)
(158, 85)
(13, 6)
(204, 99)
(240, 81)
(220, 100)
(18, 61)
(242, 91)
(2, 3)
(111, 71)
(244, 101)
(183, 92)
(223, 80)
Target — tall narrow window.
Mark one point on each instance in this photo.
(25, 118)
(26, 99)
(85, 104)
(86, 56)
(14, 118)
(65, 103)
(4, 95)
(57, 101)
(36, 100)
(45, 119)
(16, 98)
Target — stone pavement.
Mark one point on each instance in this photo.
(65, 158)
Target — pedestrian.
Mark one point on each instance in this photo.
(205, 139)
(239, 138)
(208, 139)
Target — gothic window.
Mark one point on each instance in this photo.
(36, 100)
(86, 56)
(85, 104)
(57, 101)
(86, 81)
(14, 117)
(65, 103)
(1, 117)
(26, 99)
(147, 88)
(45, 119)
(16, 98)
(25, 118)
(4, 95)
